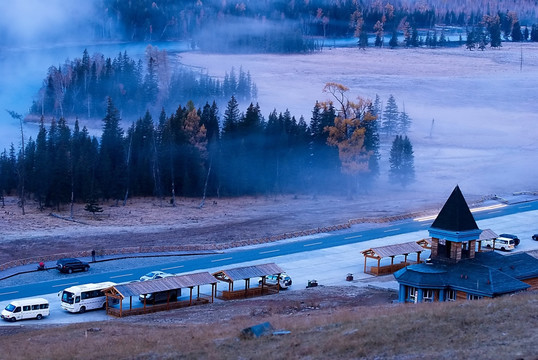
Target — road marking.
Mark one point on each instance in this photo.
(228, 258)
(352, 237)
(7, 293)
(268, 251)
(73, 283)
(173, 267)
(427, 224)
(317, 243)
(493, 212)
(523, 207)
(389, 230)
(118, 276)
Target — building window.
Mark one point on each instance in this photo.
(412, 294)
(428, 295)
(474, 297)
(451, 295)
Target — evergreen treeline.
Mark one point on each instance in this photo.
(79, 88)
(190, 152)
(283, 26)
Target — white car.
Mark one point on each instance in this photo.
(154, 275)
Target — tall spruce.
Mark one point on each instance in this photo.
(112, 157)
(390, 117)
(402, 167)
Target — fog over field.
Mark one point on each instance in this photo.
(474, 113)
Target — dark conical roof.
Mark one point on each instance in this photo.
(455, 214)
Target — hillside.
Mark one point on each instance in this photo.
(323, 322)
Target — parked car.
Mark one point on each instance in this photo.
(508, 237)
(68, 265)
(504, 244)
(154, 275)
(285, 280)
(162, 296)
(535, 237)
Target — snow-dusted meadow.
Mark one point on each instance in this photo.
(474, 113)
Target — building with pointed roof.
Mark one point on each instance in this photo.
(456, 270)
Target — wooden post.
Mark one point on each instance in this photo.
(213, 289)
(391, 263)
(198, 290)
(365, 264)
(190, 299)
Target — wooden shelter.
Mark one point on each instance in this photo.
(246, 273)
(487, 234)
(392, 251)
(169, 286)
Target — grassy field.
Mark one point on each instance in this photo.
(502, 328)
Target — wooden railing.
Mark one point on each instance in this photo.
(115, 311)
(250, 292)
(388, 269)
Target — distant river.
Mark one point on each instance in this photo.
(22, 71)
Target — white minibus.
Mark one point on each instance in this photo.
(35, 308)
(78, 299)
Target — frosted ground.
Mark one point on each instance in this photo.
(482, 105)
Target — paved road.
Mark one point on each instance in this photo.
(249, 254)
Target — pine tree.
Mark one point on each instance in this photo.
(395, 159)
(516, 32)
(112, 159)
(393, 43)
(402, 167)
(390, 117)
(43, 166)
(151, 85)
(408, 162)
(404, 122)
(470, 43)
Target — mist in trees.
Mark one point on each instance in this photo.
(80, 88)
(193, 152)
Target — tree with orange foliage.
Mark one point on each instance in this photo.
(347, 133)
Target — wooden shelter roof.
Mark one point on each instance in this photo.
(164, 284)
(248, 272)
(393, 250)
(487, 234)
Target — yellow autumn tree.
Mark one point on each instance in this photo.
(347, 133)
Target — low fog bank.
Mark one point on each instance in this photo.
(474, 113)
(30, 23)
